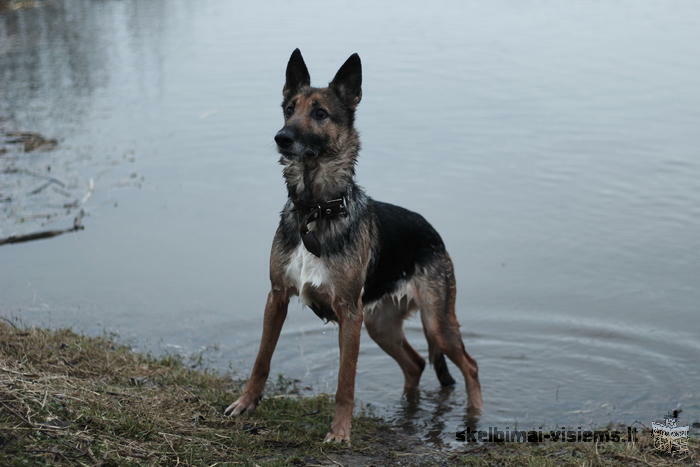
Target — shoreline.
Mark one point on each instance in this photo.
(69, 399)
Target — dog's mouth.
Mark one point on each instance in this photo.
(305, 153)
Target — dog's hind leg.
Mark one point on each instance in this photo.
(384, 324)
(436, 300)
(437, 358)
(275, 314)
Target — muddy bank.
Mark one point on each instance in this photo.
(28, 141)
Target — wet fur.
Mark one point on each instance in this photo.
(378, 263)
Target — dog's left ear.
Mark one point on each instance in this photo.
(348, 81)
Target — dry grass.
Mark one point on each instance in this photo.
(74, 400)
(71, 399)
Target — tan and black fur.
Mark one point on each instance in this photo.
(373, 262)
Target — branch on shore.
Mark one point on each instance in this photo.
(77, 225)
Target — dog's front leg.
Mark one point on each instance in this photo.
(350, 321)
(275, 314)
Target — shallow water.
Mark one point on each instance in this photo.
(553, 145)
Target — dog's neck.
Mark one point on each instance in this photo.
(313, 181)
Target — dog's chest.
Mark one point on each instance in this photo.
(305, 268)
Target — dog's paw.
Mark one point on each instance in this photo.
(339, 437)
(243, 404)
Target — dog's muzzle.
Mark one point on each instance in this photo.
(290, 145)
(284, 138)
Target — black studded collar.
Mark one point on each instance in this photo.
(311, 212)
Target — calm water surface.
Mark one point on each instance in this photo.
(554, 145)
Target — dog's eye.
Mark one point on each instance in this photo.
(320, 114)
(288, 111)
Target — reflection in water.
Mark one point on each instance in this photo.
(44, 62)
(423, 413)
(554, 147)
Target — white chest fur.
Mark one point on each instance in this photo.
(305, 268)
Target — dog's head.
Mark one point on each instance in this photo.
(318, 122)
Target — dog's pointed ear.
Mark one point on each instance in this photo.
(348, 81)
(297, 74)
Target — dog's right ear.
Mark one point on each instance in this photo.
(297, 74)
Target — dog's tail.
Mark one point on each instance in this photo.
(440, 366)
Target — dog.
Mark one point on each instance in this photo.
(351, 258)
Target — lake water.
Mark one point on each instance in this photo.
(554, 145)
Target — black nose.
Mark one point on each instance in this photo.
(284, 138)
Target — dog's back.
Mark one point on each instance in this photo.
(404, 242)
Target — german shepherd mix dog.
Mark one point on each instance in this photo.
(351, 258)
